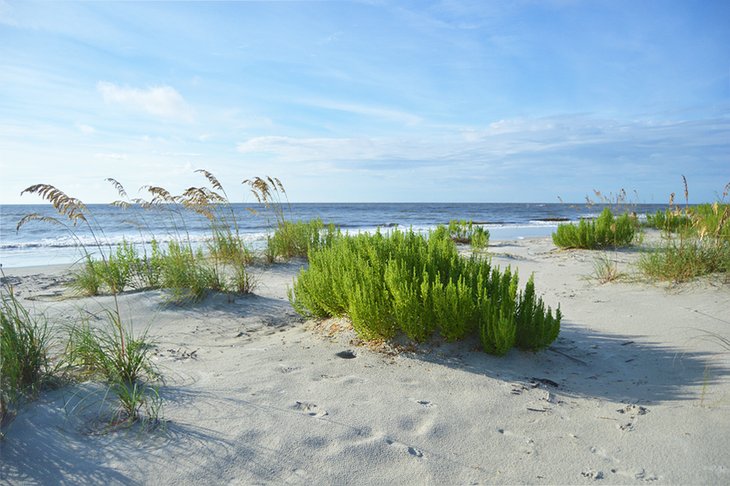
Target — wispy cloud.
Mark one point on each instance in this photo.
(110, 156)
(161, 101)
(85, 129)
(373, 111)
(571, 142)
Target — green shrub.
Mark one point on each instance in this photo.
(668, 220)
(404, 282)
(462, 231)
(605, 231)
(700, 247)
(453, 306)
(295, 238)
(536, 328)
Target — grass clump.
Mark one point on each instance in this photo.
(603, 232)
(122, 360)
(466, 232)
(668, 220)
(683, 260)
(290, 238)
(606, 270)
(698, 244)
(295, 238)
(405, 282)
(24, 360)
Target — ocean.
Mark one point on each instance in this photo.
(45, 243)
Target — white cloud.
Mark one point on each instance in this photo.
(385, 113)
(571, 143)
(85, 129)
(111, 156)
(312, 149)
(161, 101)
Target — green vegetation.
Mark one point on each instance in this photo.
(122, 361)
(462, 231)
(291, 238)
(603, 232)
(697, 241)
(295, 238)
(668, 220)
(112, 353)
(606, 270)
(405, 282)
(24, 361)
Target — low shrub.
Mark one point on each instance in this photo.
(462, 231)
(405, 282)
(295, 238)
(605, 231)
(668, 220)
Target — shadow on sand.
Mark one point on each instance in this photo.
(585, 363)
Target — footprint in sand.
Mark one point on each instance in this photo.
(632, 411)
(415, 452)
(411, 450)
(310, 409)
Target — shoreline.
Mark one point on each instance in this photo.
(633, 390)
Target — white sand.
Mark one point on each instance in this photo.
(632, 391)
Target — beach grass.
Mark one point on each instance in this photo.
(696, 241)
(24, 353)
(603, 232)
(295, 238)
(605, 269)
(122, 360)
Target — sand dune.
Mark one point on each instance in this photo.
(632, 391)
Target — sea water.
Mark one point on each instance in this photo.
(46, 243)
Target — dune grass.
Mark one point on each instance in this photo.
(290, 238)
(113, 352)
(120, 359)
(696, 241)
(605, 270)
(24, 353)
(603, 232)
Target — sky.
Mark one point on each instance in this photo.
(368, 101)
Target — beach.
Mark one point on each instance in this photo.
(635, 389)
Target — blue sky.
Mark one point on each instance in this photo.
(479, 101)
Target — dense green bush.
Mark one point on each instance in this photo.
(462, 231)
(605, 231)
(668, 220)
(295, 238)
(405, 282)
